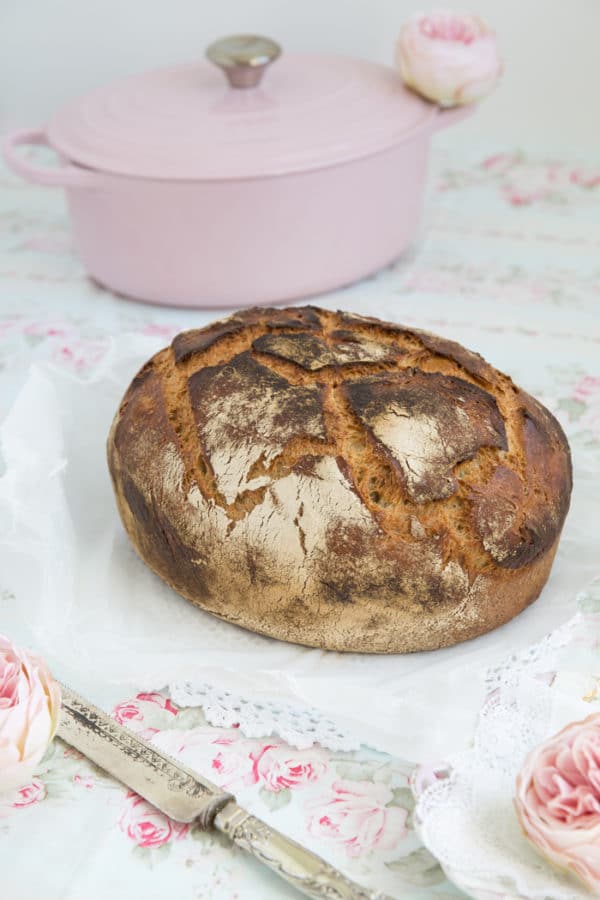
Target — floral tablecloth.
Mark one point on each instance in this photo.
(508, 263)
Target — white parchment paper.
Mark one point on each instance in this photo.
(75, 591)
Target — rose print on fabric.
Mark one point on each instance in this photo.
(231, 761)
(84, 781)
(587, 393)
(223, 755)
(356, 815)
(280, 768)
(146, 713)
(127, 712)
(354, 804)
(586, 178)
(234, 762)
(577, 405)
(146, 826)
(522, 180)
(31, 793)
(160, 700)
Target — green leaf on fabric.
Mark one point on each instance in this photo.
(188, 718)
(419, 868)
(32, 340)
(403, 797)
(151, 855)
(574, 408)
(355, 771)
(274, 800)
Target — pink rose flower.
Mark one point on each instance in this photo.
(232, 762)
(356, 816)
(42, 329)
(528, 184)
(280, 767)
(155, 330)
(126, 712)
(29, 708)
(160, 700)
(146, 825)
(80, 354)
(585, 179)
(587, 391)
(499, 163)
(225, 756)
(129, 711)
(30, 794)
(449, 58)
(85, 781)
(558, 799)
(72, 753)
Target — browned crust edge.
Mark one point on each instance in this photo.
(367, 624)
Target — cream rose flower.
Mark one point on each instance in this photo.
(558, 800)
(448, 58)
(29, 708)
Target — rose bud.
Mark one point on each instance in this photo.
(449, 58)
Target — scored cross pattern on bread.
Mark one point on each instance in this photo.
(339, 481)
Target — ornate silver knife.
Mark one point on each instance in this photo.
(187, 797)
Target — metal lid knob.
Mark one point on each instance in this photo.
(243, 58)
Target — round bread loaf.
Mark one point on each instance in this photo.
(339, 481)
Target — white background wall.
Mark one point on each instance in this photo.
(51, 50)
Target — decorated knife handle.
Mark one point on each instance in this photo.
(303, 869)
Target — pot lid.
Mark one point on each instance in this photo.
(190, 122)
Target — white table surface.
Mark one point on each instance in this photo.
(507, 263)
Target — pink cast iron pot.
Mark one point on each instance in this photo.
(190, 189)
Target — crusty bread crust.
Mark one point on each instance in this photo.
(340, 482)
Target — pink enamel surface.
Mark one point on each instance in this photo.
(184, 191)
(187, 123)
(234, 243)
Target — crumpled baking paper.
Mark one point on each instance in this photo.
(72, 588)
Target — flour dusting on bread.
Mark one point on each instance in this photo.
(338, 481)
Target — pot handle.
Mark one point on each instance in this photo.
(447, 116)
(59, 176)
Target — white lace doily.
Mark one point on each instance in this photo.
(299, 726)
(465, 815)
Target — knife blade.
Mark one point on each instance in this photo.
(186, 796)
